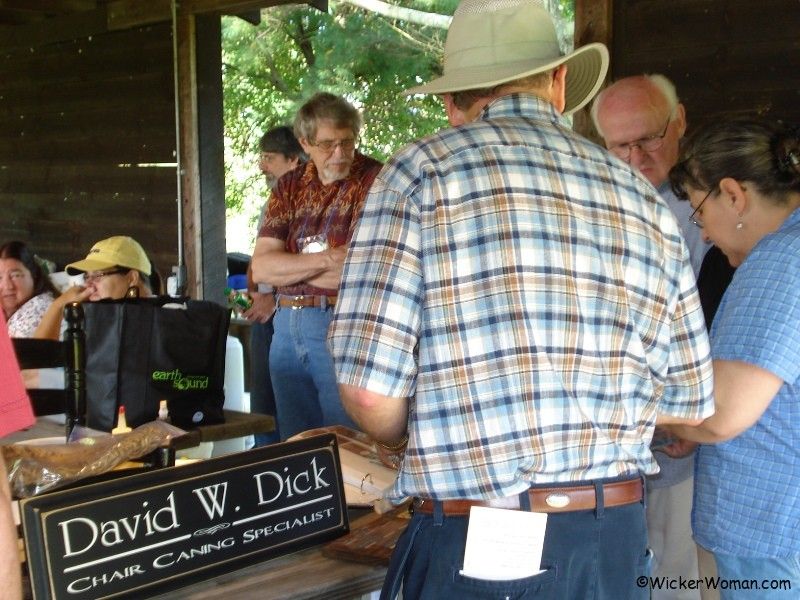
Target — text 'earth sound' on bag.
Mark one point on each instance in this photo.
(143, 350)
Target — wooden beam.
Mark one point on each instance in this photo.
(125, 14)
(593, 23)
(251, 16)
(15, 18)
(51, 31)
(119, 15)
(233, 7)
(49, 6)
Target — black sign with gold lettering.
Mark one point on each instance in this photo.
(129, 536)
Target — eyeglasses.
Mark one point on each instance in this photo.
(346, 145)
(270, 156)
(694, 219)
(650, 143)
(98, 275)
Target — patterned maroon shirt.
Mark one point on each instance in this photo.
(301, 206)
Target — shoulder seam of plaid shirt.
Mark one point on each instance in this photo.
(532, 296)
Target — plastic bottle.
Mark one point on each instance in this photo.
(122, 424)
(238, 300)
(163, 411)
(164, 455)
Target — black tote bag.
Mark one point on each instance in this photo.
(139, 352)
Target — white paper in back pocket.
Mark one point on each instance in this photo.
(504, 544)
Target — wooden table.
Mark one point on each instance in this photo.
(304, 575)
(237, 424)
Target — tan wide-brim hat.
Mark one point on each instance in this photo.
(117, 251)
(496, 41)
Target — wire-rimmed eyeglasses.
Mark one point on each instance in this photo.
(651, 143)
(693, 217)
(98, 275)
(346, 145)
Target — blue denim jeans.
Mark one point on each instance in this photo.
(588, 555)
(306, 394)
(262, 398)
(753, 578)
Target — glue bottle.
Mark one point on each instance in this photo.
(163, 411)
(122, 424)
(165, 455)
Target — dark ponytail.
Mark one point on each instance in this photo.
(764, 153)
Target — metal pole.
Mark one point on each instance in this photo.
(179, 271)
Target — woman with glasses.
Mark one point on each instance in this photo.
(25, 289)
(115, 268)
(742, 178)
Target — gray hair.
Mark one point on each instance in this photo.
(323, 106)
(464, 99)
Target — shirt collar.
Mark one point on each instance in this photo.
(520, 103)
(666, 189)
(792, 219)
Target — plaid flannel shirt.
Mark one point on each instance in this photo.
(532, 297)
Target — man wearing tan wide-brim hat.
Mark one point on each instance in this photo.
(514, 317)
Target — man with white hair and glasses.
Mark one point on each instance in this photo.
(642, 122)
(503, 329)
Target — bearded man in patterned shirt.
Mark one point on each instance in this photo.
(517, 308)
(300, 251)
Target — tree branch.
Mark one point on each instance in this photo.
(303, 40)
(403, 14)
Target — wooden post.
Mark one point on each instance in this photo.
(75, 339)
(211, 154)
(593, 23)
(188, 155)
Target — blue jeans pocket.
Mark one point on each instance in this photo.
(535, 586)
(646, 564)
(640, 585)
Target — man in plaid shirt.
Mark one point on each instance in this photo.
(517, 308)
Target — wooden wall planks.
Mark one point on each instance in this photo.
(76, 118)
(726, 58)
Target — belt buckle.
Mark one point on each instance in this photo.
(416, 503)
(557, 500)
(297, 302)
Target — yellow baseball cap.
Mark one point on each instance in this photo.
(117, 251)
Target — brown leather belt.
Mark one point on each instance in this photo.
(306, 301)
(546, 500)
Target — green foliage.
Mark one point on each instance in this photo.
(564, 9)
(270, 69)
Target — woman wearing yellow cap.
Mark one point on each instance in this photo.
(115, 268)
